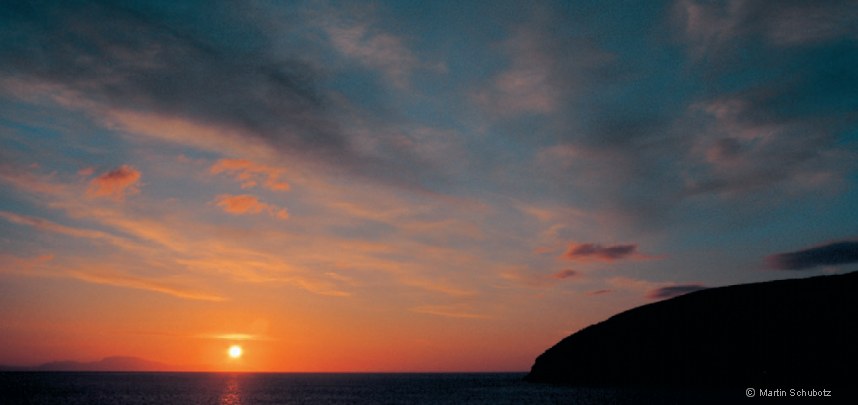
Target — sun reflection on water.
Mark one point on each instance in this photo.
(232, 392)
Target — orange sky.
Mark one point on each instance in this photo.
(406, 185)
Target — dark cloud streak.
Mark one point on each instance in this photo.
(564, 274)
(832, 254)
(595, 251)
(674, 291)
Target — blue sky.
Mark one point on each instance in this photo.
(425, 167)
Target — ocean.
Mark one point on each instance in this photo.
(131, 388)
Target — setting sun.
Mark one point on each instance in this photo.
(235, 351)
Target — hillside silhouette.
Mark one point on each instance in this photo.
(788, 333)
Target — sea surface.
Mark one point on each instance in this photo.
(93, 388)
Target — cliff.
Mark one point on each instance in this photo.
(799, 333)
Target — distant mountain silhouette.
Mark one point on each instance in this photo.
(779, 334)
(115, 363)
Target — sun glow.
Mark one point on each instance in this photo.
(234, 351)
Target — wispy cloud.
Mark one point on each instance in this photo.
(534, 279)
(118, 279)
(358, 36)
(564, 274)
(449, 311)
(746, 147)
(236, 337)
(714, 25)
(244, 204)
(831, 254)
(98, 273)
(605, 253)
(381, 51)
(25, 265)
(86, 56)
(545, 70)
(29, 182)
(436, 285)
(251, 174)
(116, 183)
(50, 226)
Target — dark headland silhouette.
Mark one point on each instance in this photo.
(790, 333)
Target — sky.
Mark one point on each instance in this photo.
(407, 185)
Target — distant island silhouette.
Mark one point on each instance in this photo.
(112, 363)
(780, 334)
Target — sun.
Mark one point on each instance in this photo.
(235, 351)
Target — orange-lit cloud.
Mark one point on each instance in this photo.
(30, 183)
(116, 183)
(49, 226)
(235, 336)
(23, 266)
(47, 266)
(449, 311)
(244, 204)
(129, 281)
(183, 131)
(251, 174)
(86, 171)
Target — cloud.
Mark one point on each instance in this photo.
(831, 254)
(159, 60)
(748, 143)
(545, 70)
(236, 337)
(169, 243)
(713, 26)
(598, 252)
(25, 266)
(222, 83)
(86, 171)
(115, 184)
(30, 183)
(674, 291)
(251, 174)
(564, 274)
(125, 280)
(244, 204)
(534, 279)
(781, 133)
(374, 49)
(49, 226)
(45, 266)
(448, 311)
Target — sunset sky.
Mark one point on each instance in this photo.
(407, 185)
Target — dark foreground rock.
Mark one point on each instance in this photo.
(779, 334)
